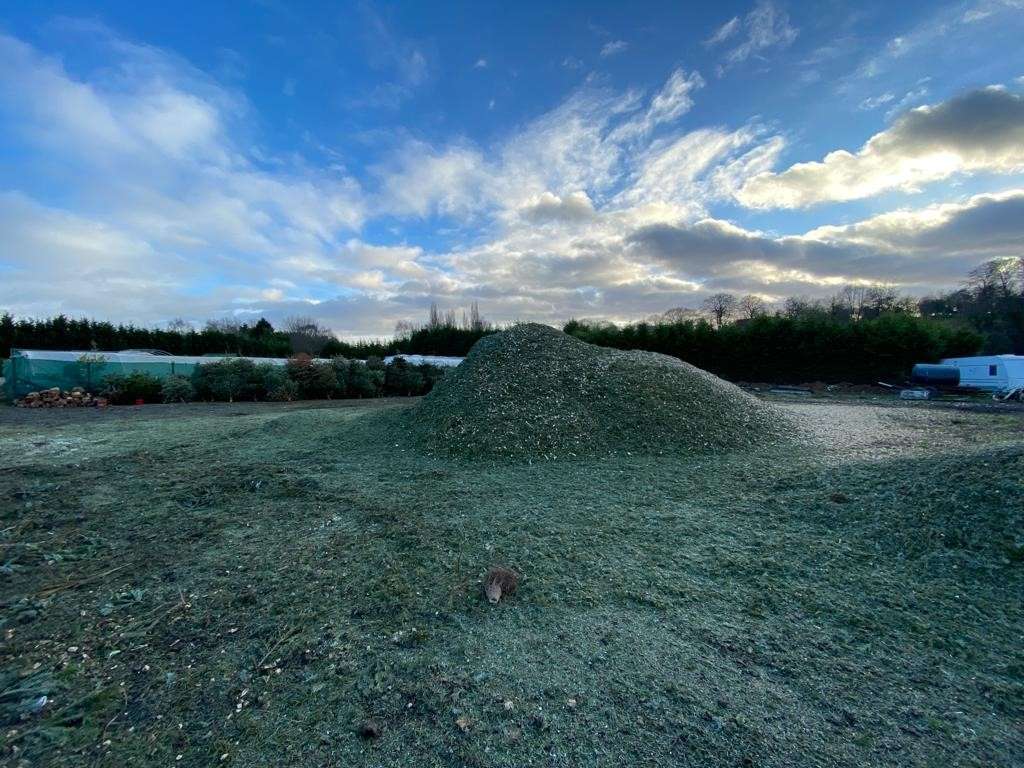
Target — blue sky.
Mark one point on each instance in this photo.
(355, 162)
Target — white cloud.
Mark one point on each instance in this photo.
(724, 32)
(874, 102)
(613, 47)
(546, 207)
(765, 27)
(669, 104)
(978, 131)
(421, 181)
(481, 63)
(598, 208)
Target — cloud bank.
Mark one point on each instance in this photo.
(982, 130)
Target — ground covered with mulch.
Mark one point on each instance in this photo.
(291, 585)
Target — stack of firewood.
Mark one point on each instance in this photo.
(56, 398)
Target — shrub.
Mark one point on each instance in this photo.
(177, 389)
(400, 378)
(340, 365)
(431, 375)
(364, 381)
(315, 379)
(126, 388)
(229, 380)
(276, 384)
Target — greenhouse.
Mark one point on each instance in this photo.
(30, 370)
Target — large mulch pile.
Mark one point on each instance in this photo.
(535, 392)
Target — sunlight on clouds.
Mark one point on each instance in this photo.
(981, 130)
(602, 206)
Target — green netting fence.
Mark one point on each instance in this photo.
(31, 370)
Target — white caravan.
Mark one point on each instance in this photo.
(995, 373)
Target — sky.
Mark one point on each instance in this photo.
(357, 162)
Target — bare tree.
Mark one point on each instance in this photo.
(476, 321)
(404, 329)
(179, 325)
(751, 306)
(720, 306)
(224, 325)
(854, 298)
(306, 335)
(882, 299)
(999, 278)
(434, 320)
(795, 306)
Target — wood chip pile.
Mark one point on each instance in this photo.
(534, 392)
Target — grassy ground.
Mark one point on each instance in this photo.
(249, 585)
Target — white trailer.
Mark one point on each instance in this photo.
(995, 373)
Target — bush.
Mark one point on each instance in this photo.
(431, 375)
(400, 378)
(126, 388)
(364, 381)
(177, 389)
(340, 365)
(315, 379)
(229, 380)
(276, 384)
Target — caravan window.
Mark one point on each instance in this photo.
(992, 370)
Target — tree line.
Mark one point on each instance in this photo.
(861, 333)
(442, 334)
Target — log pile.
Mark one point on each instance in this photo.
(56, 398)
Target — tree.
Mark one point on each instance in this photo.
(223, 324)
(999, 277)
(400, 378)
(306, 335)
(315, 379)
(751, 306)
(854, 298)
(720, 306)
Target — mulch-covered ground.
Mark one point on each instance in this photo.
(264, 585)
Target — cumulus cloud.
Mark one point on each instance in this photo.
(546, 207)
(765, 27)
(600, 207)
(923, 249)
(981, 130)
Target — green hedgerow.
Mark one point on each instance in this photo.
(177, 389)
(126, 388)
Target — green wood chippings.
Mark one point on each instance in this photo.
(535, 392)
